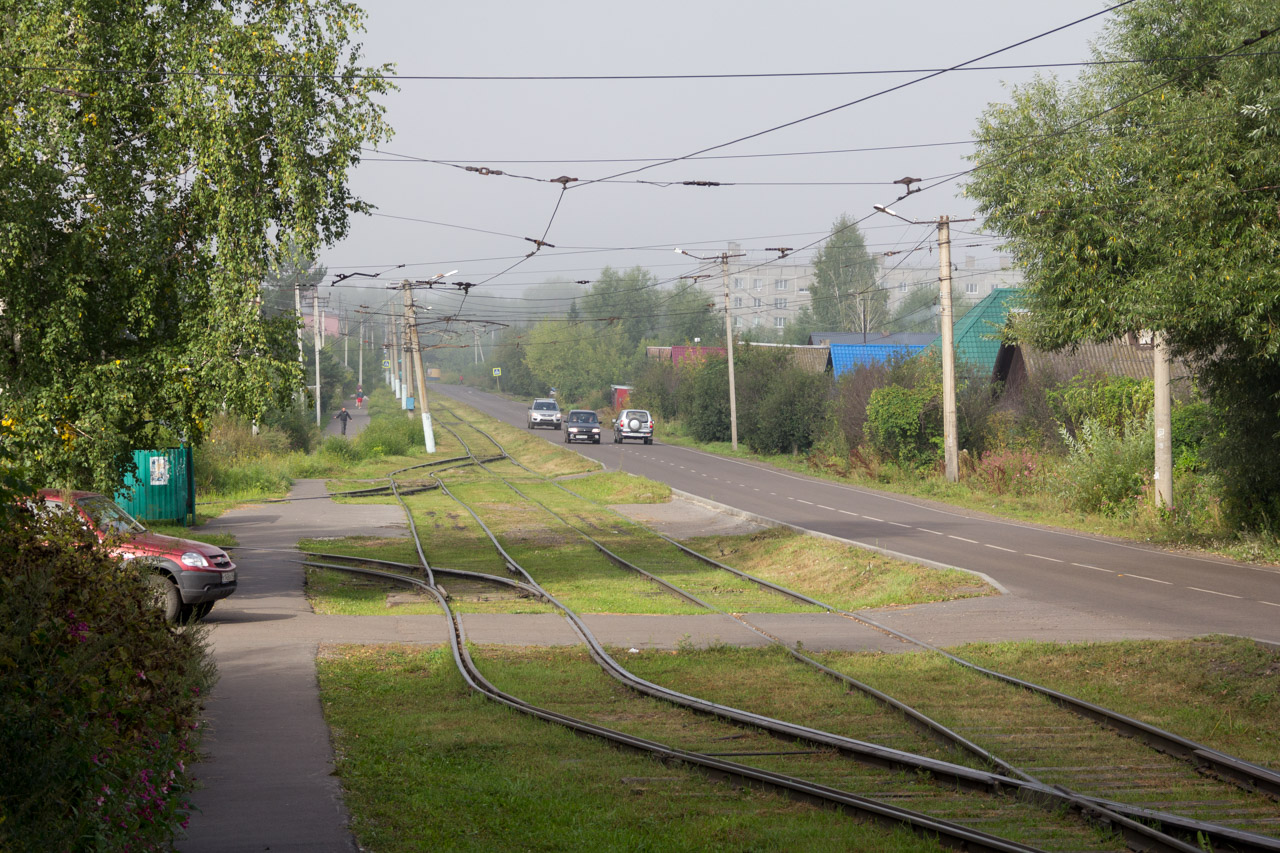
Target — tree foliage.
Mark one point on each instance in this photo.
(1143, 197)
(152, 157)
(844, 293)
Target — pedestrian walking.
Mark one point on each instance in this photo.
(343, 417)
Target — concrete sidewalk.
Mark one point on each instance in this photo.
(267, 776)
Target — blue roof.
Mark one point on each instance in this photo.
(845, 357)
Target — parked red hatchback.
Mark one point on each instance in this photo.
(187, 576)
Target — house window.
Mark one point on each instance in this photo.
(737, 284)
(755, 321)
(802, 289)
(757, 283)
(737, 302)
(779, 284)
(970, 287)
(902, 286)
(780, 303)
(737, 322)
(779, 322)
(756, 303)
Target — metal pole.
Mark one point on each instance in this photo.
(728, 339)
(1163, 414)
(427, 434)
(949, 445)
(360, 355)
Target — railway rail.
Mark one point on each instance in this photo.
(1143, 829)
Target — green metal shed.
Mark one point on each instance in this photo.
(163, 488)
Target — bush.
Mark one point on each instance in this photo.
(391, 434)
(790, 415)
(1107, 470)
(1005, 470)
(904, 425)
(708, 418)
(1113, 402)
(99, 698)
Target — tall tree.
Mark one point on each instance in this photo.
(152, 154)
(1144, 197)
(844, 293)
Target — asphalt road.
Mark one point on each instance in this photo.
(1101, 578)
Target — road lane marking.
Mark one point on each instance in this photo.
(934, 532)
(998, 548)
(846, 512)
(1272, 603)
(1109, 571)
(830, 508)
(1139, 577)
(872, 518)
(899, 524)
(1213, 592)
(1050, 559)
(803, 501)
(962, 539)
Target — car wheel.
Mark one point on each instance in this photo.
(195, 612)
(648, 441)
(166, 596)
(595, 441)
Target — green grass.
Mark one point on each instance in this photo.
(338, 593)
(427, 765)
(619, 487)
(222, 540)
(437, 761)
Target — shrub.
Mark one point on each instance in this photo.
(708, 418)
(790, 415)
(1113, 402)
(903, 425)
(1106, 469)
(391, 434)
(99, 698)
(1005, 470)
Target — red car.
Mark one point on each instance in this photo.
(187, 576)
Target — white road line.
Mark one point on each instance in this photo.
(927, 530)
(1108, 571)
(962, 539)
(829, 508)
(846, 512)
(1050, 559)
(899, 524)
(1139, 577)
(803, 501)
(998, 548)
(872, 518)
(1272, 603)
(1213, 592)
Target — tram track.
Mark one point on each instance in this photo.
(1009, 779)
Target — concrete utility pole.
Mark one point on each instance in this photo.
(411, 320)
(728, 337)
(315, 317)
(1163, 415)
(360, 355)
(950, 447)
(302, 370)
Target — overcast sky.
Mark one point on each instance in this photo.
(789, 198)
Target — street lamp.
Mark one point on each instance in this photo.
(427, 432)
(728, 340)
(950, 450)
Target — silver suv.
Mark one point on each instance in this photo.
(633, 423)
(544, 412)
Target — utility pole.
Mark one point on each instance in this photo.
(1162, 414)
(728, 339)
(302, 369)
(950, 448)
(411, 320)
(360, 355)
(315, 324)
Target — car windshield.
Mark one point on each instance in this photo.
(641, 416)
(108, 517)
(584, 418)
(544, 406)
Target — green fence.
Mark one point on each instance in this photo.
(163, 488)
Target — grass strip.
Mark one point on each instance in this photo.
(428, 765)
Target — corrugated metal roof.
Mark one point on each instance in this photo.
(680, 354)
(896, 339)
(812, 358)
(845, 357)
(1113, 358)
(977, 334)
